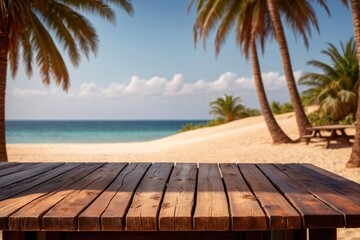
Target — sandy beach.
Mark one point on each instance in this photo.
(244, 140)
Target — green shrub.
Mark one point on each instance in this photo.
(249, 112)
(348, 120)
(215, 122)
(316, 119)
(278, 108)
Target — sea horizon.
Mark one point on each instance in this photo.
(29, 131)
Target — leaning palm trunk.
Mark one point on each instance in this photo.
(300, 115)
(276, 132)
(354, 160)
(4, 49)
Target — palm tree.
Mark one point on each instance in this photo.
(29, 28)
(260, 25)
(227, 108)
(354, 160)
(249, 26)
(306, 17)
(335, 89)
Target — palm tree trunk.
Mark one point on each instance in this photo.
(275, 130)
(4, 49)
(354, 160)
(300, 115)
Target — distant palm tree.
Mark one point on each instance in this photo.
(354, 160)
(250, 21)
(227, 108)
(335, 89)
(28, 30)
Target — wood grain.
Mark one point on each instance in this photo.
(27, 173)
(282, 215)
(143, 212)
(13, 204)
(245, 211)
(212, 210)
(179, 199)
(15, 167)
(331, 197)
(24, 185)
(340, 184)
(314, 212)
(63, 216)
(108, 210)
(44, 197)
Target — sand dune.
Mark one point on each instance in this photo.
(244, 140)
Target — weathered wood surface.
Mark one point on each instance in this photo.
(211, 200)
(246, 212)
(347, 206)
(310, 208)
(281, 213)
(143, 212)
(179, 199)
(109, 210)
(250, 199)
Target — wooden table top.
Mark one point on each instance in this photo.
(181, 197)
(331, 127)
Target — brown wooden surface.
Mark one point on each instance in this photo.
(122, 197)
(338, 201)
(45, 196)
(310, 208)
(211, 211)
(26, 173)
(63, 216)
(340, 184)
(143, 212)
(18, 187)
(282, 215)
(179, 200)
(245, 211)
(108, 211)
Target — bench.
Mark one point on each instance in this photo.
(334, 133)
(138, 201)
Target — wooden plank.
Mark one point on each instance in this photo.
(108, 210)
(178, 204)
(347, 206)
(63, 216)
(5, 165)
(27, 173)
(246, 213)
(282, 215)
(211, 210)
(314, 212)
(29, 183)
(17, 168)
(322, 234)
(13, 204)
(143, 212)
(338, 183)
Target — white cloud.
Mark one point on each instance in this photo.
(159, 86)
(28, 92)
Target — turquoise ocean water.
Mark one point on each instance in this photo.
(91, 131)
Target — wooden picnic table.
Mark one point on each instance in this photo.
(139, 201)
(332, 133)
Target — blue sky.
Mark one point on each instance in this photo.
(148, 68)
